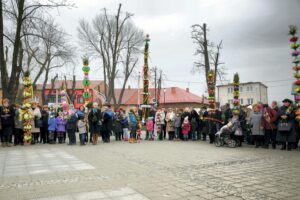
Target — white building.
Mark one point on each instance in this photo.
(250, 93)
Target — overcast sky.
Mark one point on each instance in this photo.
(254, 33)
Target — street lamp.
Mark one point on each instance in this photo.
(165, 97)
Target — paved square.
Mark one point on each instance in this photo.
(159, 170)
(122, 194)
(37, 161)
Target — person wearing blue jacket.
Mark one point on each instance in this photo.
(51, 128)
(133, 123)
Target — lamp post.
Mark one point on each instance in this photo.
(165, 97)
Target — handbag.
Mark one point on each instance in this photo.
(38, 123)
(284, 126)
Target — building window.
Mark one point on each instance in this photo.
(241, 89)
(80, 99)
(52, 98)
(250, 101)
(241, 101)
(228, 90)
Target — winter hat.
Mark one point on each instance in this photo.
(186, 120)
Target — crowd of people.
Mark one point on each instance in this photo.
(260, 125)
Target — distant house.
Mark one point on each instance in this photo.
(96, 86)
(250, 93)
(172, 97)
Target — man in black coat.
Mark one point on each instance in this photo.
(107, 123)
(227, 113)
(7, 115)
(44, 127)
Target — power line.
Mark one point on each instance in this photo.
(270, 81)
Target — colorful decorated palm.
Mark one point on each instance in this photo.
(86, 81)
(24, 112)
(296, 68)
(236, 94)
(146, 79)
(211, 89)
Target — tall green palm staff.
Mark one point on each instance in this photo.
(86, 81)
(296, 68)
(236, 94)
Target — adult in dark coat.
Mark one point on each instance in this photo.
(286, 114)
(44, 127)
(194, 124)
(200, 126)
(204, 124)
(227, 114)
(95, 122)
(117, 125)
(71, 127)
(7, 114)
(107, 124)
(211, 128)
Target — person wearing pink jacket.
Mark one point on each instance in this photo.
(150, 128)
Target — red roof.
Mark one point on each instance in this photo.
(172, 95)
(78, 84)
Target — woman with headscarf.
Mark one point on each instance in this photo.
(256, 128)
(286, 134)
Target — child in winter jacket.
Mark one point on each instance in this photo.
(138, 131)
(61, 127)
(51, 128)
(186, 127)
(125, 125)
(150, 128)
(82, 130)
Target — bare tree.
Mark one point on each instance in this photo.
(18, 13)
(50, 51)
(209, 57)
(117, 42)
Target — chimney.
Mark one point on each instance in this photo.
(129, 87)
(173, 90)
(187, 89)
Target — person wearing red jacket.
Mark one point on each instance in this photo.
(186, 128)
(268, 121)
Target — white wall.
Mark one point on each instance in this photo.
(249, 94)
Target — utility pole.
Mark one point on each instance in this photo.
(139, 77)
(159, 88)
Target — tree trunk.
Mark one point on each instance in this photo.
(72, 97)
(206, 54)
(17, 43)
(4, 75)
(19, 71)
(44, 87)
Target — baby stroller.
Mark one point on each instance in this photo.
(224, 136)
